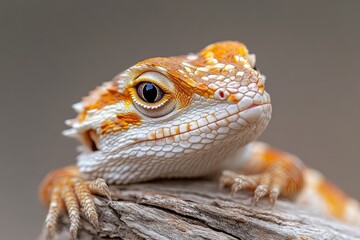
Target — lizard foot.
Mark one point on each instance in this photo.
(70, 193)
(264, 184)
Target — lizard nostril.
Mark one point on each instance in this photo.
(221, 94)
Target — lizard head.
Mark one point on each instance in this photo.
(198, 107)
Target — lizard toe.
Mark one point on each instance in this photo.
(99, 187)
(86, 202)
(264, 184)
(243, 182)
(227, 178)
(260, 191)
(274, 194)
(72, 206)
(55, 207)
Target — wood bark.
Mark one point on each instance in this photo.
(198, 209)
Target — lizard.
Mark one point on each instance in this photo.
(186, 116)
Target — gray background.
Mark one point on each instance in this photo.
(53, 52)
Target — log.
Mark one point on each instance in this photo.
(198, 209)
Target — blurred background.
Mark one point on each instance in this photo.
(53, 52)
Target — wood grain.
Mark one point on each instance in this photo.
(197, 209)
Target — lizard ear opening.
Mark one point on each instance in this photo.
(151, 95)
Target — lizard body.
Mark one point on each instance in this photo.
(187, 116)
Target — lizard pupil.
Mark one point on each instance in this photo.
(149, 92)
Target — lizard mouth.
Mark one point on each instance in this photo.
(91, 140)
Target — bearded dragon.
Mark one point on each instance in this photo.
(183, 117)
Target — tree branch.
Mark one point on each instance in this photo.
(197, 209)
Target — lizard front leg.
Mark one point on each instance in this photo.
(270, 172)
(65, 190)
(266, 172)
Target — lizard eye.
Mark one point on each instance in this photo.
(149, 92)
(152, 96)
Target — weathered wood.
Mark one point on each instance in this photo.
(189, 209)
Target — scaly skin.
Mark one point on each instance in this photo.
(202, 119)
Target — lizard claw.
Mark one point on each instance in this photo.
(100, 187)
(72, 194)
(265, 184)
